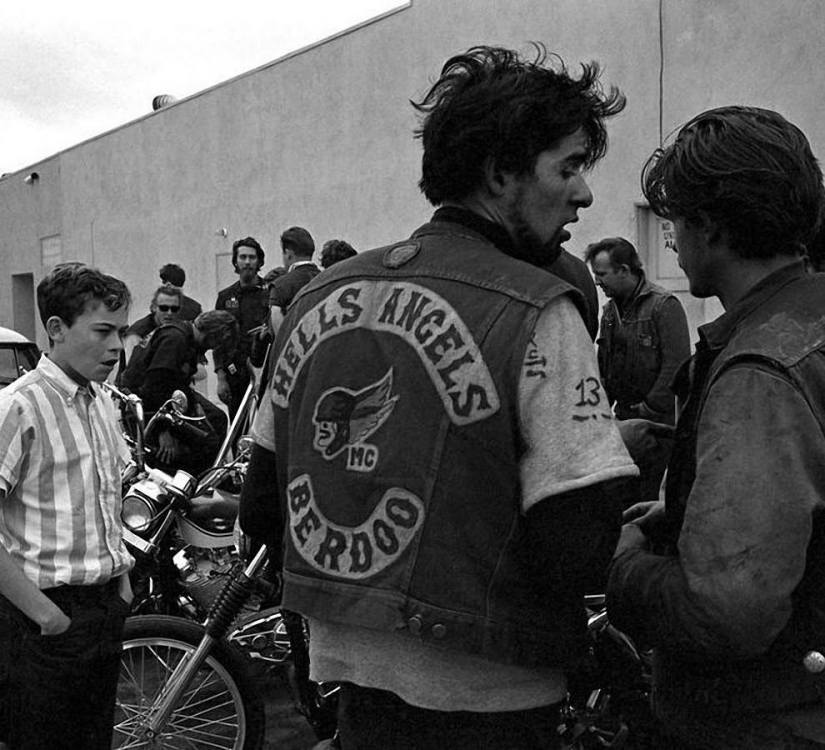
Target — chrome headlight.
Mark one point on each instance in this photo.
(137, 513)
(140, 505)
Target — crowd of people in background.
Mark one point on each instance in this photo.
(452, 446)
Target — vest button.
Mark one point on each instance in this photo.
(415, 624)
(439, 630)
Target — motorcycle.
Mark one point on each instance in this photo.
(183, 681)
(181, 533)
(185, 685)
(608, 702)
(607, 705)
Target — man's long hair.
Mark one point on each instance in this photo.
(750, 170)
(489, 103)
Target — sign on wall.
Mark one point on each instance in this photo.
(656, 242)
(667, 262)
(51, 250)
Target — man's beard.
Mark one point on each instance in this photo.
(247, 274)
(527, 245)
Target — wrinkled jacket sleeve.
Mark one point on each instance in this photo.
(674, 343)
(747, 525)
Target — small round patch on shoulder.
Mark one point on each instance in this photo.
(397, 256)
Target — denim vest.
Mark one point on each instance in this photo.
(395, 394)
(630, 350)
(783, 328)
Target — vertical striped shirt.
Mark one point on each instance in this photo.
(61, 454)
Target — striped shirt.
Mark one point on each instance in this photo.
(61, 454)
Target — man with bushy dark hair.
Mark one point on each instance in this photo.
(246, 301)
(449, 475)
(735, 610)
(64, 567)
(334, 251)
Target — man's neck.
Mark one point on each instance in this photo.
(631, 292)
(478, 221)
(247, 284)
(738, 277)
(300, 262)
(69, 370)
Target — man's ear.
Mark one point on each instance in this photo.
(714, 231)
(56, 329)
(495, 180)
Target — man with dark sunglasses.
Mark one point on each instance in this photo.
(165, 307)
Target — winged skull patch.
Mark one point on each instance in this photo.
(344, 419)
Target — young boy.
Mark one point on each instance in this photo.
(64, 584)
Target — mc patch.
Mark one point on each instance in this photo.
(344, 419)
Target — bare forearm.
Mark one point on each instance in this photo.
(24, 595)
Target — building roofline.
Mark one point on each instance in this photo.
(288, 56)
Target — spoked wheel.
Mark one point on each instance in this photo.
(221, 708)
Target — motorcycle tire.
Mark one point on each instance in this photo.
(222, 707)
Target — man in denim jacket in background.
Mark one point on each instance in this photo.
(643, 339)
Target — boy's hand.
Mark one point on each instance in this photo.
(124, 589)
(54, 620)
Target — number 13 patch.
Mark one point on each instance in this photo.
(590, 400)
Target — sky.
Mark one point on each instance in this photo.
(72, 69)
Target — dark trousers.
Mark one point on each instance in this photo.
(371, 719)
(59, 691)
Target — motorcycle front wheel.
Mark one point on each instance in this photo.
(221, 708)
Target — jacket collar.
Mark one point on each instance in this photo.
(716, 334)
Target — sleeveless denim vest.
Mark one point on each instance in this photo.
(395, 393)
(786, 333)
(630, 350)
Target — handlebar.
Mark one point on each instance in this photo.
(172, 412)
(135, 405)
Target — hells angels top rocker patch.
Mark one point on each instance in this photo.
(349, 424)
